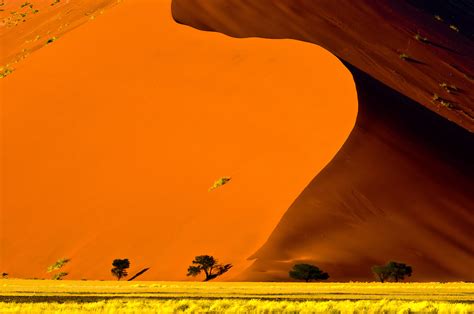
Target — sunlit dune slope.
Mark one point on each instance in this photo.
(113, 134)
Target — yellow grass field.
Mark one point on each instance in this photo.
(45, 296)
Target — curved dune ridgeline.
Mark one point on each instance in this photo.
(401, 186)
(408, 48)
(113, 134)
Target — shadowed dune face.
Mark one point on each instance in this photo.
(113, 134)
(397, 190)
(401, 186)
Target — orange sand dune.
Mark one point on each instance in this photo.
(113, 134)
(401, 187)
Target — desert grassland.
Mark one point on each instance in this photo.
(45, 296)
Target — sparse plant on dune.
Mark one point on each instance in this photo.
(443, 102)
(59, 264)
(120, 267)
(454, 28)
(404, 56)
(381, 272)
(307, 272)
(392, 270)
(219, 182)
(450, 88)
(51, 40)
(59, 276)
(209, 266)
(421, 38)
(5, 71)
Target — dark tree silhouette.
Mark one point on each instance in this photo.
(382, 273)
(392, 270)
(4, 275)
(208, 265)
(399, 271)
(307, 272)
(120, 268)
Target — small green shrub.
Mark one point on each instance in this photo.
(4, 72)
(219, 182)
(59, 276)
(421, 38)
(454, 28)
(443, 102)
(392, 270)
(307, 272)
(51, 40)
(450, 88)
(58, 264)
(404, 57)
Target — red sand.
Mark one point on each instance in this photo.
(113, 134)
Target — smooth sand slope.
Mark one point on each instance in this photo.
(113, 134)
(401, 188)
